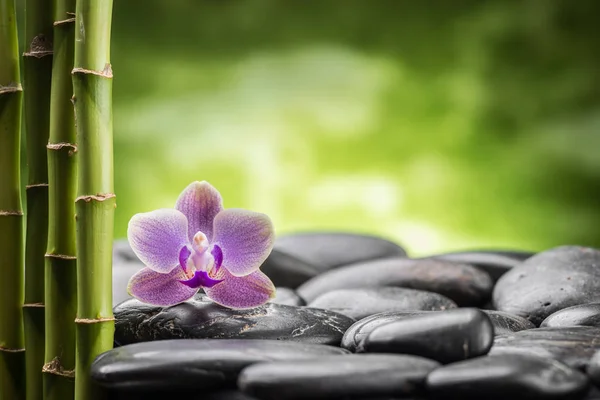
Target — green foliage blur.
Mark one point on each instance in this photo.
(440, 124)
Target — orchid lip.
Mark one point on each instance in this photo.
(201, 279)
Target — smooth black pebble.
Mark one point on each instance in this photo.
(446, 337)
(507, 376)
(287, 270)
(288, 297)
(550, 281)
(462, 283)
(336, 377)
(362, 302)
(593, 369)
(505, 323)
(200, 318)
(207, 365)
(573, 346)
(581, 315)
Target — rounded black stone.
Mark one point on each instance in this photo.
(581, 315)
(326, 250)
(122, 272)
(495, 262)
(505, 323)
(123, 253)
(593, 369)
(446, 337)
(200, 318)
(507, 376)
(462, 283)
(288, 297)
(336, 377)
(573, 346)
(207, 365)
(286, 270)
(362, 302)
(550, 281)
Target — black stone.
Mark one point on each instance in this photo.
(593, 369)
(346, 376)
(189, 394)
(362, 302)
(207, 365)
(122, 253)
(550, 281)
(573, 346)
(462, 283)
(446, 337)
(288, 297)
(495, 262)
(507, 376)
(122, 272)
(327, 250)
(581, 315)
(200, 318)
(505, 323)
(286, 270)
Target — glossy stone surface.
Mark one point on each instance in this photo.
(447, 336)
(208, 365)
(200, 318)
(581, 315)
(593, 369)
(288, 297)
(562, 277)
(287, 270)
(462, 283)
(350, 376)
(363, 302)
(507, 376)
(505, 323)
(573, 346)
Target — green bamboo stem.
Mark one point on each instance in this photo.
(12, 351)
(37, 73)
(61, 261)
(95, 203)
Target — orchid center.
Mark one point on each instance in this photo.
(199, 264)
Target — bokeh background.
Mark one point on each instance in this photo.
(439, 124)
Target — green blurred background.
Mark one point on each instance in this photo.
(440, 124)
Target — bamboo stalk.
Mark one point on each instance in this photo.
(95, 203)
(12, 351)
(61, 262)
(37, 74)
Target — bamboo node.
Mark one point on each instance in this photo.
(9, 350)
(39, 47)
(11, 88)
(62, 145)
(60, 256)
(97, 197)
(93, 320)
(106, 72)
(64, 21)
(5, 213)
(54, 367)
(34, 305)
(36, 185)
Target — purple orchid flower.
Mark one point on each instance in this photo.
(198, 244)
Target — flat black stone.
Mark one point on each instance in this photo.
(505, 323)
(288, 297)
(495, 262)
(347, 377)
(573, 346)
(200, 318)
(581, 315)
(593, 369)
(287, 270)
(462, 283)
(446, 337)
(507, 376)
(362, 302)
(327, 250)
(550, 281)
(188, 394)
(207, 365)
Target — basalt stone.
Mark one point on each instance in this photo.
(446, 337)
(362, 302)
(347, 377)
(581, 315)
(287, 270)
(200, 318)
(550, 281)
(188, 394)
(288, 297)
(593, 369)
(123, 253)
(505, 323)
(495, 262)
(207, 365)
(122, 272)
(462, 283)
(327, 250)
(573, 346)
(507, 376)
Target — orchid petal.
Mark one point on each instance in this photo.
(245, 238)
(159, 289)
(247, 291)
(156, 237)
(200, 202)
(201, 279)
